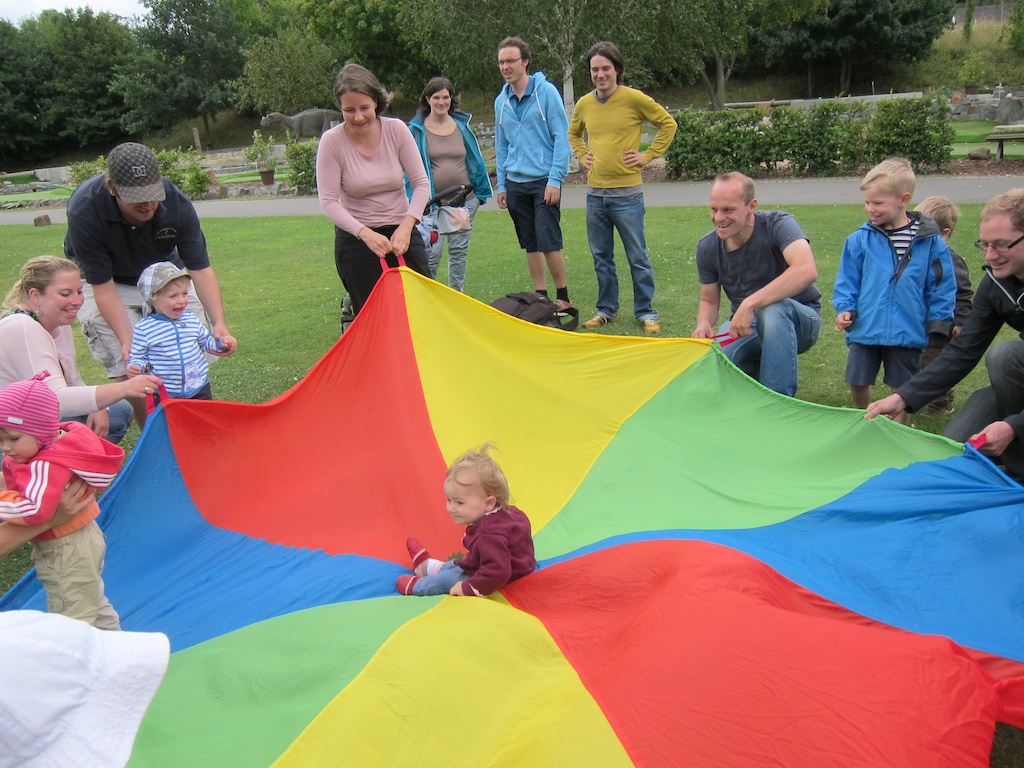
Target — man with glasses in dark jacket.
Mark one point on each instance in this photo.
(993, 418)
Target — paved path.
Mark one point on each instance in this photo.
(963, 189)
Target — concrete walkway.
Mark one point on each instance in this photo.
(963, 189)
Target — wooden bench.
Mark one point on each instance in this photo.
(1001, 137)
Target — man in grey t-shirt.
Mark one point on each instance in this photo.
(763, 262)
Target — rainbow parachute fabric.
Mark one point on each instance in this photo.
(727, 576)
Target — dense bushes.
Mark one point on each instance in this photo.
(827, 139)
(917, 129)
(85, 169)
(182, 168)
(301, 169)
(707, 143)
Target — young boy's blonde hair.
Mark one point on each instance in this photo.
(895, 175)
(942, 210)
(488, 473)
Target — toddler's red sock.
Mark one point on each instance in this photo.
(404, 584)
(417, 552)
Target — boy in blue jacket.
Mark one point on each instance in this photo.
(895, 286)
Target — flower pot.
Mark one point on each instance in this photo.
(267, 177)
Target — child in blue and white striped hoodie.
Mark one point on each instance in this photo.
(169, 342)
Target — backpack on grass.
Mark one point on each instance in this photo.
(537, 308)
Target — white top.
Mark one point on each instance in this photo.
(26, 348)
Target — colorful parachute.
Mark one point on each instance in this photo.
(728, 576)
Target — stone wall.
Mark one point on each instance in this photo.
(995, 14)
(1001, 106)
(57, 175)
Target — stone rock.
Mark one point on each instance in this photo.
(222, 191)
(42, 221)
(1009, 110)
(981, 153)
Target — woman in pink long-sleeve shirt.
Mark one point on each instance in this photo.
(361, 167)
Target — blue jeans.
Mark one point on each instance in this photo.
(1005, 397)
(625, 214)
(458, 247)
(120, 419)
(780, 332)
(441, 582)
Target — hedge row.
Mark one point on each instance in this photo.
(827, 139)
(187, 173)
(182, 168)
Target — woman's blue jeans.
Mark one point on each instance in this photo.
(458, 247)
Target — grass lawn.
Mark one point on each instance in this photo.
(60, 193)
(247, 176)
(971, 134)
(282, 293)
(19, 178)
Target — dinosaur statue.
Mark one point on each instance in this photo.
(310, 123)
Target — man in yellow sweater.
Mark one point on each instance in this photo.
(613, 115)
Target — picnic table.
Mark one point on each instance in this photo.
(1016, 135)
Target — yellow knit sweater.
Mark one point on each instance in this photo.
(612, 128)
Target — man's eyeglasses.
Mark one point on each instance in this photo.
(508, 62)
(984, 245)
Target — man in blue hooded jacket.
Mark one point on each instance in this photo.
(531, 137)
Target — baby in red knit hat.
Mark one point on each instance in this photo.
(40, 455)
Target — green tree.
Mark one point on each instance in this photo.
(192, 53)
(81, 50)
(669, 47)
(265, 18)
(727, 27)
(288, 72)
(1015, 28)
(20, 72)
(969, 7)
(372, 33)
(857, 35)
(462, 39)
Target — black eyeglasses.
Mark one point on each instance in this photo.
(503, 62)
(984, 245)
